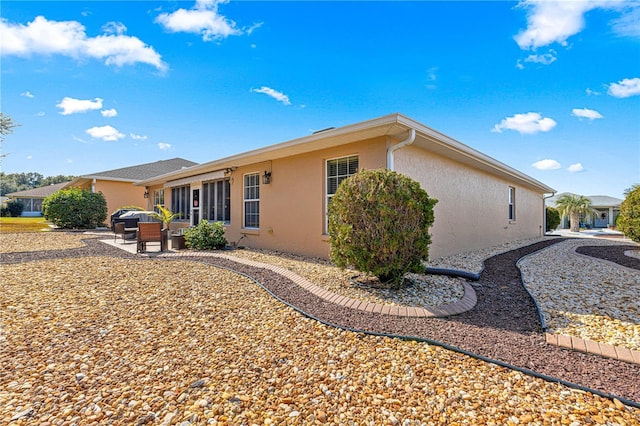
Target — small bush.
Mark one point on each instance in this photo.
(205, 236)
(75, 209)
(628, 221)
(13, 208)
(553, 218)
(379, 223)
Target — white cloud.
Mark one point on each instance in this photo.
(590, 92)
(68, 38)
(432, 76)
(547, 165)
(279, 96)
(531, 122)
(106, 133)
(546, 59)
(109, 112)
(137, 137)
(40, 114)
(117, 28)
(27, 94)
(625, 88)
(202, 19)
(73, 106)
(629, 23)
(554, 21)
(574, 168)
(586, 113)
(29, 157)
(164, 146)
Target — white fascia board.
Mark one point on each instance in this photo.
(481, 161)
(219, 174)
(393, 125)
(321, 140)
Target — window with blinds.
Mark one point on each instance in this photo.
(252, 200)
(338, 169)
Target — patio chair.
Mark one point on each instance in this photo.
(120, 229)
(150, 232)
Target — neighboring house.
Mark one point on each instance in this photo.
(117, 185)
(606, 210)
(32, 199)
(276, 197)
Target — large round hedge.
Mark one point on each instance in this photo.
(75, 208)
(379, 223)
(628, 221)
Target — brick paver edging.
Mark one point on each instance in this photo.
(467, 302)
(589, 346)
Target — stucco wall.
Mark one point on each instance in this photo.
(472, 210)
(292, 206)
(119, 194)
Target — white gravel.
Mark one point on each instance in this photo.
(583, 296)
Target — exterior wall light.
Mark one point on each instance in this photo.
(266, 178)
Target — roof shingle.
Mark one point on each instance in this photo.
(40, 192)
(143, 171)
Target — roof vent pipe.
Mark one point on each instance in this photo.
(392, 149)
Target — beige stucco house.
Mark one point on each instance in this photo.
(117, 185)
(276, 197)
(605, 211)
(32, 199)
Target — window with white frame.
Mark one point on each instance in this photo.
(252, 200)
(158, 198)
(512, 204)
(180, 201)
(338, 169)
(216, 201)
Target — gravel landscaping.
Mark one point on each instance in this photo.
(90, 334)
(599, 299)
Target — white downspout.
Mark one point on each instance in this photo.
(392, 149)
(93, 186)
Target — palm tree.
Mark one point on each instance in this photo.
(165, 215)
(573, 206)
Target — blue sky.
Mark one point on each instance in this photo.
(549, 88)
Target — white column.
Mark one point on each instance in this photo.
(611, 222)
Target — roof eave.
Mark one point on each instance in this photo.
(324, 139)
(392, 125)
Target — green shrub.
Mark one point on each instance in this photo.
(205, 236)
(14, 208)
(75, 208)
(379, 223)
(553, 218)
(628, 221)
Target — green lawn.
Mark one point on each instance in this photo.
(23, 224)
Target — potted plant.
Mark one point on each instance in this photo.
(166, 216)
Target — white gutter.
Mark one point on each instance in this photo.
(392, 149)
